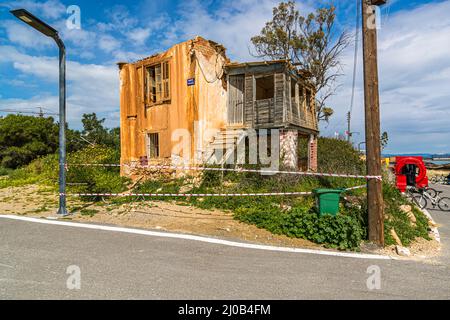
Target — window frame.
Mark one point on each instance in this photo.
(160, 81)
(149, 145)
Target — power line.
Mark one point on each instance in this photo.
(41, 112)
(355, 57)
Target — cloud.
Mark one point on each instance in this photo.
(231, 23)
(413, 60)
(25, 36)
(414, 72)
(139, 35)
(108, 43)
(51, 9)
(90, 87)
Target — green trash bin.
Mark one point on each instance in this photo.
(327, 200)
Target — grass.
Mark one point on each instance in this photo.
(287, 215)
(88, 212)
(398, 220)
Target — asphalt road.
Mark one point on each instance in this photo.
(443, 220)
(34, 259)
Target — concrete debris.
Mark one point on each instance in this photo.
(402, 251)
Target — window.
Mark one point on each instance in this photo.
(265, 87)
(153, 145)
(308, 99)
(157, 83)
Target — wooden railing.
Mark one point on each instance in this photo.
(264, 112)
(302, 117)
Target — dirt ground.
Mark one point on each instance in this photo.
(38, 201)
(35, 201)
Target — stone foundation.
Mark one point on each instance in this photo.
(312, 153)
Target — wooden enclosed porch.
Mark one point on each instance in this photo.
(269, 95)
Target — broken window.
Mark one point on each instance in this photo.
(295, 98)
(153, 145)
(308, 99)
(157, 83)
(265, 87)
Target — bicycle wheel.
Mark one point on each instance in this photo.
(444, 204)
(432, 192)
(420, 201)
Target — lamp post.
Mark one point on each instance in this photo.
(47, 30)
(359, 146)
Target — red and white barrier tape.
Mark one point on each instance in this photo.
(354, 188)
(188, 194)
(200, 168)
(197, 194)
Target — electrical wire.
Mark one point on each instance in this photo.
(355, 57)
(27, 112)
(339, 124)
(218, 76)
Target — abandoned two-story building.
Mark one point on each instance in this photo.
(194, 89)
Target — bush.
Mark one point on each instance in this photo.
(398, 220)
(341, 231)
(18, 178)
(4, 171)
(334, 155)
(86, 179)
(25, 138)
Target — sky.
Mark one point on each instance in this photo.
(413, 48)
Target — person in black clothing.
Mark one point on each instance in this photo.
(409, 170)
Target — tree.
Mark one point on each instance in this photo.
(95, 133)
(93, 129)
(384, 140)
(310, 43)
(25, 138)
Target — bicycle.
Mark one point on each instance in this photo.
(440, 179)
(422, 196)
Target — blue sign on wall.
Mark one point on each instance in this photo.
(191, 82)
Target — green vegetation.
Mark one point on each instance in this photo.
(88, 212)
(26, 138)
(294, 217)
(343, 231)
(398, 220)
(44, 171)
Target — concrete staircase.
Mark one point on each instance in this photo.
(224, 145)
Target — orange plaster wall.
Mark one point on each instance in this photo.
(204, 103)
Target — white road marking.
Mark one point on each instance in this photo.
(199, 238)
(6, 266)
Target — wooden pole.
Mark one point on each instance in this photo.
(372, 120)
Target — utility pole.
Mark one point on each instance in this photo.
(349, 132)
(372, 121)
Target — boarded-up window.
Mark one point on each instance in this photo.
(166, 81)
(153, 145)
(157, 83)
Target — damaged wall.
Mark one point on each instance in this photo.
(200, 107)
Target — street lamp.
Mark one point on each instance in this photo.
(359, 146)
(47, 30)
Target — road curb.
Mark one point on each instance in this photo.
(200, 238)
(433, 228)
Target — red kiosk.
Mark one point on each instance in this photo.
(410, 171)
